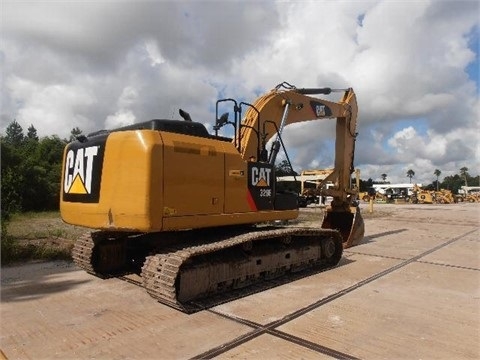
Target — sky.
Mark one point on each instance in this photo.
(414, 66)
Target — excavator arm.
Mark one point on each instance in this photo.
(281, 107)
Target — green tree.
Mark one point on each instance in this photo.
(284, 169)
(42, 171)
(50, 155)
(437, 174)
(14, 134)
(410, 174)
(452, 183)
(10, 199)
(32, 133)
(476, 180)
(464, 174)
(384, 177)
(31, 171)
(30, 143)
(365, 184)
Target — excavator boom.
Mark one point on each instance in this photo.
(281, 107)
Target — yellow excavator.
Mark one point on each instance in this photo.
(197, 214)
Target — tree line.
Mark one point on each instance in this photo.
(30, 170)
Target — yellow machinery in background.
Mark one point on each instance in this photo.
(187, 210)
(468, 194)
(423, 196)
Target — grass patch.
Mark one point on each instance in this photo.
(38, 236)
(42, 225)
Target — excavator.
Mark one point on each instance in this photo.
(197, 214)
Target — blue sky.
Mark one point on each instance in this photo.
(474, 66)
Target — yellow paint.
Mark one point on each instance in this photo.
(77, 186)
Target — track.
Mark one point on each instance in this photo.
(217, 268)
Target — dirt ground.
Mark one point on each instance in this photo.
(410, 290)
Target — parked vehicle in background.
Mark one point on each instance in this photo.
(469, 193)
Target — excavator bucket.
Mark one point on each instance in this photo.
(349, 223)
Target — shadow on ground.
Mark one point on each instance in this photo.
(36, 280)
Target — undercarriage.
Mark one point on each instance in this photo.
(178, 268)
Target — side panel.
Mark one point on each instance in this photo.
(193, 176)
(132, 189)
(192, 187)
(236, 188)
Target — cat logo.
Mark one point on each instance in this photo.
(261, 176)
(320, 110)
(79, 169)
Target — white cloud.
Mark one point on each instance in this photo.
(119, 119)
(54, 106)
(128, 97)
(154, 54)
(404, 139)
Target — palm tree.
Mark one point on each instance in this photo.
(463, 172)
(437, 174)
(384, 177)
(410, 174)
